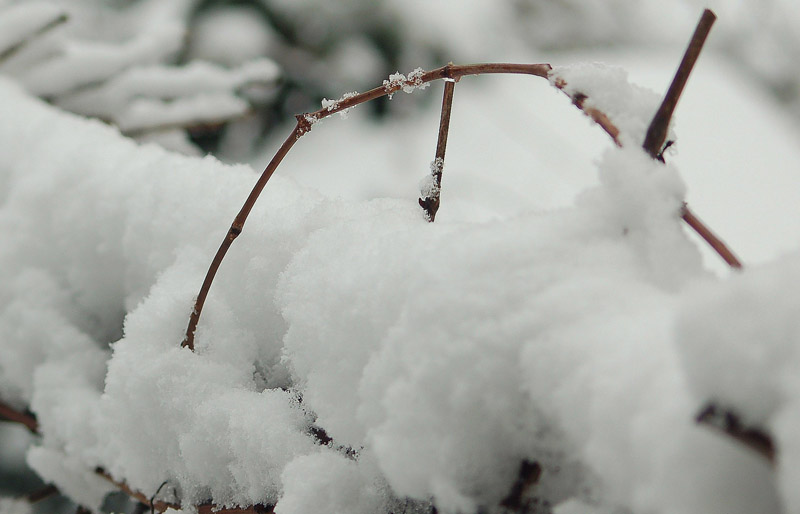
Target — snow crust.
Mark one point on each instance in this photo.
(437, 356)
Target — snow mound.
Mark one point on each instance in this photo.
(437, 357)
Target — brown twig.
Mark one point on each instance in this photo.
(25, 418)
(598, 116)
(41, 494)
(431, 200)
(302, 127)
(161, 506)
(527, 476)
(731, 424)
(716, 243)
(659, 126)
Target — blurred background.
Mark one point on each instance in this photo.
(229, 72)
(225, 77)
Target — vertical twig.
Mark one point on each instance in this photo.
(528, 475)
(431, 195)
(659, 127)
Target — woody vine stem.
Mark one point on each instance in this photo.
(450, 73)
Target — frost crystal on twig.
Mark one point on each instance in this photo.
(408, 83)
(429, 186)
(333, 105)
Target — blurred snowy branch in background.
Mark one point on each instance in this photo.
(95, 58)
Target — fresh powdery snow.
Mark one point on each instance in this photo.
(438, 357)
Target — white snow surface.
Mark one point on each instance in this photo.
(20, 21)
(14, 506)
(584, 337)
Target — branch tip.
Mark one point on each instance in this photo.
(659, 126)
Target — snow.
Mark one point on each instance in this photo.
(85, 64)
(142, 115)
(14, 506)
(556, 312)
(739, 344)
(200, 83)
(327, 481)
(22, 20)
(231, 36)
(74, 478)
(607, 89)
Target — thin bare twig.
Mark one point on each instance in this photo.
(659, 126)
(598, 116)
(716, 243)
(430, 202)
(41, 494)
(731, 425)
(528, 475)
(24, 418)
(302, 127)
(161, 506)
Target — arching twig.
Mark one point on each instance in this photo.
(417, 78)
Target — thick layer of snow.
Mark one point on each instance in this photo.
(443, 354)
